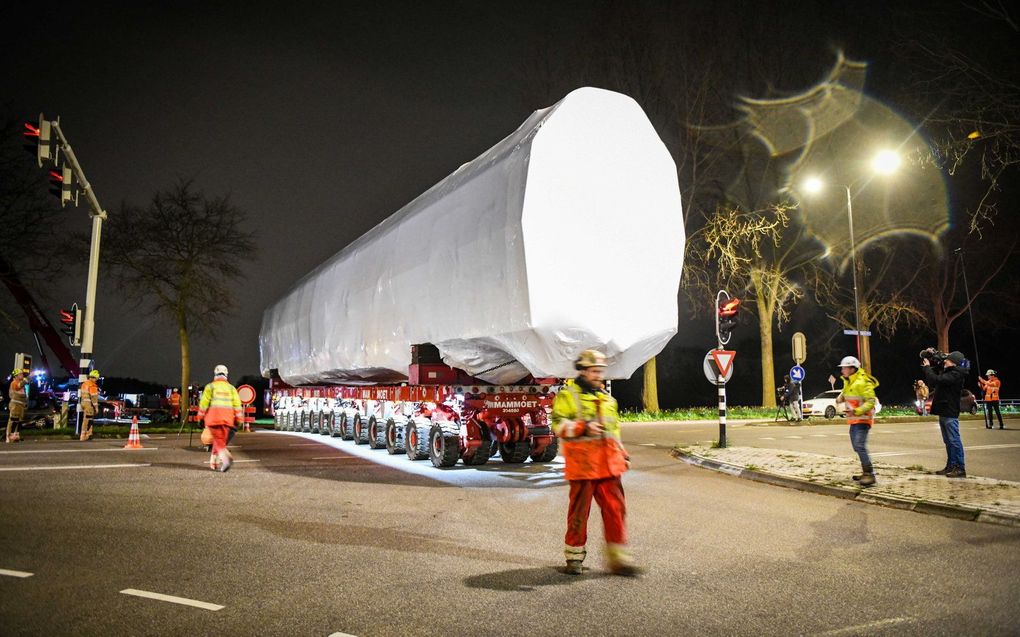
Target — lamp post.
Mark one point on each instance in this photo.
(885, 162)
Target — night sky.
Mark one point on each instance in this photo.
(319, 120)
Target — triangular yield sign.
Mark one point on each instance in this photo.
(723, 360)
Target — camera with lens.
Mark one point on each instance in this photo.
(934, 356)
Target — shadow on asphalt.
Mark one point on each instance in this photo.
(526, 580)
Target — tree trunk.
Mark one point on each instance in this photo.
(650, 390)
(182, 330)
(768, 372)
(866, 353)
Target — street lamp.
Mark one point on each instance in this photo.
(885, 162)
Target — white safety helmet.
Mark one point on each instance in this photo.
(221, 370)
(990, 372)
(850, 361)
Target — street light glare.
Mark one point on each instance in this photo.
(813, 185)
(886, 162)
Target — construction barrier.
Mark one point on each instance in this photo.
(249, 416)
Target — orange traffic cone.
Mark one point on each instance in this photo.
(134, 438)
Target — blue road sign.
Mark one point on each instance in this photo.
(797, 373)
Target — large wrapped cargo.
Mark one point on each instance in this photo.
(566, 235)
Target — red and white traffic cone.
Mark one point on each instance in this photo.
(134, 438)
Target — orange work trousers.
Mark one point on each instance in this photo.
(608, 493)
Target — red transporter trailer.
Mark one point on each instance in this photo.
(440, 414)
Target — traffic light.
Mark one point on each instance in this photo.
(61, 184)
(71, 320)
(37, 140)
(727, 317)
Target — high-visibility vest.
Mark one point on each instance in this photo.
(220, 404)
(859, 393)
(991, 387)
(588, 457)
(88, 396)
(17, 393)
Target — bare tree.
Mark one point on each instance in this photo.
(180, 254)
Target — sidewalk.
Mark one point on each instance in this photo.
(971, 498)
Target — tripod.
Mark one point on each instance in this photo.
(781, 409)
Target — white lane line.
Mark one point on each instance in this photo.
(10, 573)
(647, 444)
(342, 635)
(864, 629)
(73, 450)
(76, 466)
(184, 601)
(766, 438)
(965, 447)
(206, 463)
(819, 435)
(795, 437)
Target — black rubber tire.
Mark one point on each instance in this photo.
(830, 412)
(314, 423)
(324, 423)
(443, 448)
(306, 426)
(481, 455)
(549, 453)
(394, 438)
(359, 430)
(416, 441)
(514, 452)
(334, 431)
(376, 434)
(346, 431)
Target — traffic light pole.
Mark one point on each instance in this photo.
(720, 381)
(98, 216)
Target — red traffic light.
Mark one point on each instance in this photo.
(67, 316)
(31, 130)
(56, 177)
(729, 308)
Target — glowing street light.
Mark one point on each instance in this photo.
(885, 162)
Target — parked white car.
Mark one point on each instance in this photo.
(824, 404)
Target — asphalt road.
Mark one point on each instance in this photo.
(312, 536)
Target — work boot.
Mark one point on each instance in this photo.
(620, 562)
(944, 470)
(867, 479)
(574, 567)
(957, 472)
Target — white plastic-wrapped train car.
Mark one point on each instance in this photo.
(564, 236)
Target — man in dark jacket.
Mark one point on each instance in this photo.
(947, 385)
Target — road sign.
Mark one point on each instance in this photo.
(247, 394)
(797, 373)
(832, 381)
(799, 347)
(855, 333)
(718, 365)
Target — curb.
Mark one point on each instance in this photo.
(957, 512)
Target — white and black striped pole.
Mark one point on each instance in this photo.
(722, 411)
(727, 312)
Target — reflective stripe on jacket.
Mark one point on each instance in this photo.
(588, 457)
(220, 404)
(859, 393)
(991, 387)
(88, 396)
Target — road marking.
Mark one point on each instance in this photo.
(819, 435)
(342, 635)
(73, 450)
(991, 446)
(795, 437)
(647, 444)
(766, 438)
(206, 463)
(170, 598)
(865, 628)
(10, 573)
(75, 466)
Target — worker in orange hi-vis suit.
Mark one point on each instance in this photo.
(991, 386)
(175, 405)
(88, 397)
(220, 409)
(18, 398)
(584, 417)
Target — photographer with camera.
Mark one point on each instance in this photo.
(946, 378)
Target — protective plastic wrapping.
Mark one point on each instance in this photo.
(566, 235)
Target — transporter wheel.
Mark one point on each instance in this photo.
(360, 430)
(416, 441)
(514, 452)
(305, 425)
(394, 438)
(481, 455)
(324, 424)
(346, 431)
(315, 423)
(443, 448)
(830, 412)
(548, 453)
(334, 430)
(376, 434)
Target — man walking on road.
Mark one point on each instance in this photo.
(17, 396)
(947, 384)
(991, 386)
(585, 417)
(220, 408)
(859, 394)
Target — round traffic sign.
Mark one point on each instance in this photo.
(711, 368)
(797, 373)
(247, 394)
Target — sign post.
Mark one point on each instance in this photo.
(721, 359)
